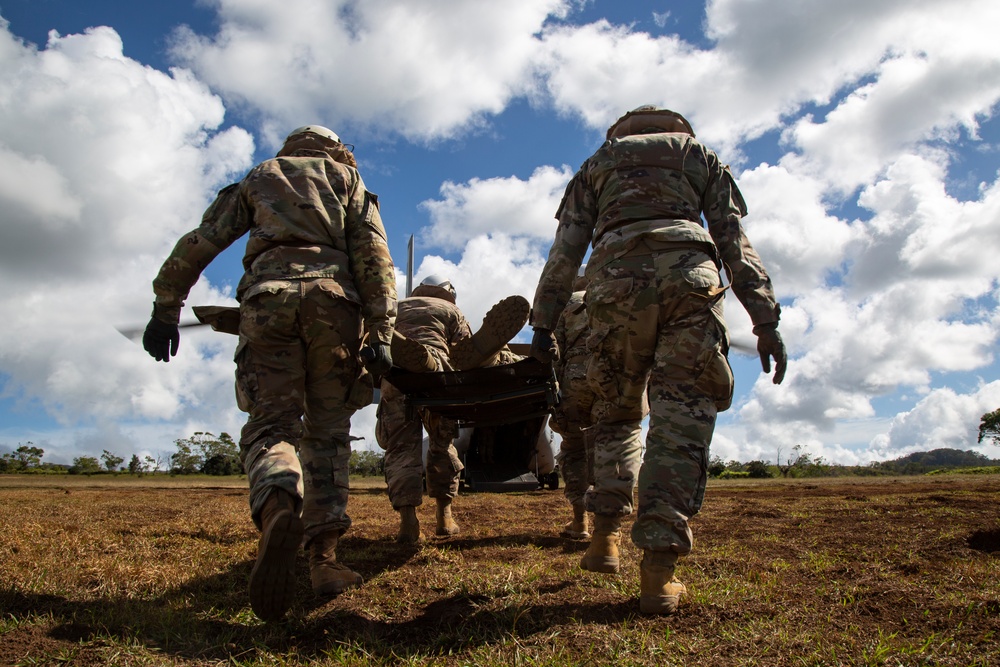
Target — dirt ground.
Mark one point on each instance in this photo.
(833, 571)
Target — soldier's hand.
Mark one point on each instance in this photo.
(543, 345)
(377, 358)
(769, 344)
(161, 339)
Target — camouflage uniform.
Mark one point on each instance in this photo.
(317, 276)
(437, 324)
(654, 303)
(572, 417)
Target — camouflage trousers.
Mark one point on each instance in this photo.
(656, 325)
(402, 439)
(297, 369)
(571, 419)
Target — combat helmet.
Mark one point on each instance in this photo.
(318, 130)
(436, 285)
(317, 137)
(649, 118)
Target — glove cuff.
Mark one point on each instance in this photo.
(166, 314)
(767, 327)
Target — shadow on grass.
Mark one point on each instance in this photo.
(208, 618)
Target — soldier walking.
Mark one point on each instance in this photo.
(318, 278)
(654, 305)
(432, 335)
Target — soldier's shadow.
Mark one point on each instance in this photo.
(208, 617)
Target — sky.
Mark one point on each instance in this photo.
(863, 135)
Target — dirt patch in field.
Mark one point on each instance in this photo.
(857, 571)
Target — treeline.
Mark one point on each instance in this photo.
(202, 453)
(802, 464)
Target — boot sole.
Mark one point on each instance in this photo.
(574, 535)
(272, 580)
(410, 355)
(502, 322)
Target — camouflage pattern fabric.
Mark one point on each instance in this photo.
(317, 276)
(437, 324)
(656, 187)
(654, 304)
(332, 229)
(657, 327)
(572, 416)
(296, 364)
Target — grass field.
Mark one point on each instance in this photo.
(153, 571)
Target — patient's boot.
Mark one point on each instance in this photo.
(410, 355)
(502, 322)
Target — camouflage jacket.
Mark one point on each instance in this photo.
(436, 323)
(307, 215)
(652, 189)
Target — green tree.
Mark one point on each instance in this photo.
(221, 455)
(758, 470)
(25, 457)
(716, 466)
(85, 465)
(366, 463)
(206, 453)
(989, 427)
(111, 461)
(136, 466)
(186, 460)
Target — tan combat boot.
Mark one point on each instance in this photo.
(659, 590)
(602, 554)
(577, 528)
(272, 580)
(329, 578)
(502, 322)
(410, 355)
(445, 524)
(409, 526)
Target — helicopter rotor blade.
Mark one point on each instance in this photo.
(134, 333)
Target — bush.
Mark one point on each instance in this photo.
(367, 464)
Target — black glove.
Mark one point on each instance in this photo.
(769, 344)
(161, 339)
(377, 358)
(543, 345)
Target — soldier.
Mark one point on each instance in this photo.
(318, 278)
(432, 335)
(573, 416)
(654, 303)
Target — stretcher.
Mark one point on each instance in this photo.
(502, 411)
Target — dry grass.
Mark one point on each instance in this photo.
(838, 572)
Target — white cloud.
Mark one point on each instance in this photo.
(423, 68)
(490, 269)
(104, 163)
(944, 418)
(508, 205)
